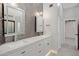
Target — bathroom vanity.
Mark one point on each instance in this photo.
(14, 24)
(35, 46)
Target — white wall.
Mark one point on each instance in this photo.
(50, 23)
(71, 13)
(54, 24)
(61, 25)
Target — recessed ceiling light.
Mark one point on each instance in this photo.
(58, 4)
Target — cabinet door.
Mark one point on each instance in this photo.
(40, 48)
(40, 52)
(31, 50)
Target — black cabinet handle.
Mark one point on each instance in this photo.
(40, 25)
(39, 44)
(40, 51)
(23, 52)
(76, 34)
(47, 43)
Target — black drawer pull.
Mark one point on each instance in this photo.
(39, 44)
(23, 52)
(40, 51)
(47, 43)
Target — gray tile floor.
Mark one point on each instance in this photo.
(68, 49)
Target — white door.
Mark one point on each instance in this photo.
(71, 32)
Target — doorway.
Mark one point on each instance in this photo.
(71, 34)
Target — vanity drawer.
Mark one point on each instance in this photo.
(19, 52)
(39, 44)
(48, 44)
(40, 48)
(40, 52)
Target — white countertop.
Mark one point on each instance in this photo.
(17, 44)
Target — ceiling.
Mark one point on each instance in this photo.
(68, 5)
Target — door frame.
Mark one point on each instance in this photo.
(77, 36)
(3, 35)
(2, 22)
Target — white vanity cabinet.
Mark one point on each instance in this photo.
(38, 48)
(27, 50)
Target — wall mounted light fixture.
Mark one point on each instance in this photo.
(13, 4)
(38, 13)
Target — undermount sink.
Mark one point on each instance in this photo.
(25, 41)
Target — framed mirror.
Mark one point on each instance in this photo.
(10, 25)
